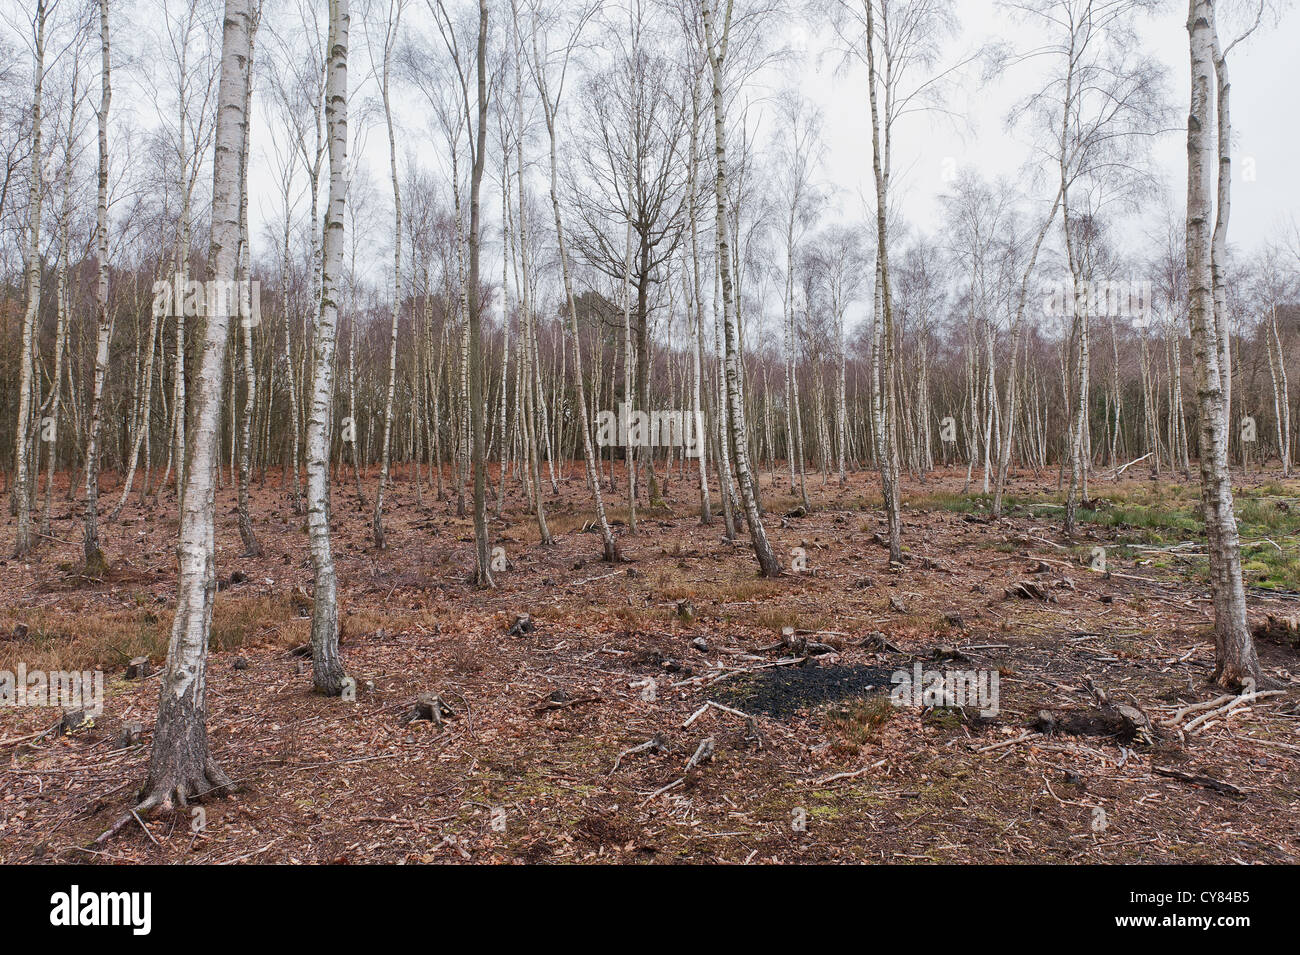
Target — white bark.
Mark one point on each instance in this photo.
(180, 767)
(22, 486)
(1281, 394)
(1019, 330)
(1234, 649)
(94, 558)
(252, 548)
(886, 409)
(327, 668)
(392, 28)
(716, 41)
(631, 458)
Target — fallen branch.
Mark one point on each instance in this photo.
(1195, 708)
(852, 774)
(1237, 704)
(657, 743)
(696, 715)
(1007, 742)
(23, 739)
(1120, 471)
(717, 706)
(562, 704)
(1272, 742)
(660, 792)
(1199, 779)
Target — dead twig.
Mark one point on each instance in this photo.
(657, 743)
(659, 792)
(1199, 779)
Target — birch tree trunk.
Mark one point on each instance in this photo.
(793, 385)
(631, 458)
(1079, 428)
(95, 565)
(528, 395)
(295, 493)
(252, 547)
(21, 489)
(179, 766)
(1235, 659)
(352, 409)
(1282, 397)
(327, 668)
(50, 434)
(716, 47)
(482, 568)
(176, 450)
(889, 451)
(726, 491)
(841, 395)
(695, 295)
(697, 376)
(142, 421)
(390, 38)
(507, 260)
(1223, 209)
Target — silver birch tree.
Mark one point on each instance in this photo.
(1235, 658)
(180, 767)
(716, 39)
(90, 545)
(327, 667)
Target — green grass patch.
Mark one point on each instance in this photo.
(1162, 515)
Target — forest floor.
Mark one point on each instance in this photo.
(811, 760)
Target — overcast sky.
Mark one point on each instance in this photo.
(928, 148)
(1265, 74)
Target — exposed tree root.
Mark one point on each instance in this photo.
(173, 791)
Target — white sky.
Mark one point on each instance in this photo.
(1265, 73)
(1266, 85)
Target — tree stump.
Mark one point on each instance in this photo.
(430, 707)
(128, 734)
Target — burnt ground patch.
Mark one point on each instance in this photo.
(781, 692)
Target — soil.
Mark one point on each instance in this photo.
(806, 770)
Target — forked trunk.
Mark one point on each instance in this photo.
(1235, 659)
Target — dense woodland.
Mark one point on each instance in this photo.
(485, 226)
(633, 183)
